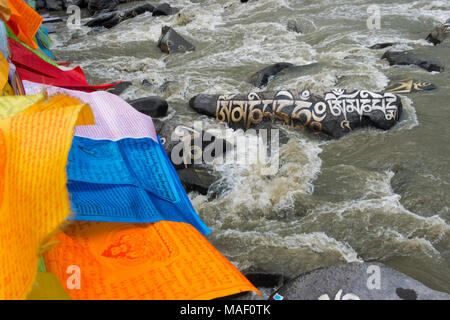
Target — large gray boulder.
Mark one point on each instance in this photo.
(409, 86)
(334, 113)
(356, 281)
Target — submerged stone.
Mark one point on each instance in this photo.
(409, 58)
(262, 77)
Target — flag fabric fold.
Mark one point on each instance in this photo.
(33, 68)
(158, 261)
(34, 200)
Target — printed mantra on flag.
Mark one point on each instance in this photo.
(304, 111)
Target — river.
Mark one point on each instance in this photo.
(371, 195)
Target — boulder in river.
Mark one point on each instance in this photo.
(119, 88)
(152, 106)
(111, 19)
(78, 3)
(170, 41)
(54, 5)
(356, 281)
(197, 179)
(164, 9)
(101, 5)
(189, 146)
(440, 33)
(409, 86)
(292, 25)
(409, 58)
(262, 77)
(334, 113)
(383, 45)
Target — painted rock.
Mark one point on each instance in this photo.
(409, 86)
(334, 114)
(356, 281)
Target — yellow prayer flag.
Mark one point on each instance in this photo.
(34, 201)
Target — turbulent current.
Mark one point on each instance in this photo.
(371, 195)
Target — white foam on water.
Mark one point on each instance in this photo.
(409, 118)
(289, 255)
(253, 191)
(378, 224)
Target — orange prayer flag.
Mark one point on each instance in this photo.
(23, 20)
(34, 147)
(4, 69)
(160, 261)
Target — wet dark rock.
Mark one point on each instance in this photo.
(78, 3)
(382, 45)
(356, 281)
(153, 106)
(146, 83)
(111, 19)
(265, 280)
(197, 179)
(119, 88)
(170, 41)
(409, 86)
(49, 20)
(321, 114)
(102, 5)
(440, 33)
(179, 139)
(100, 19)
(409, 58)
(40, 4)
(54, 5)
(292, 25)
(167, 86)
(164, 9)
(262, 77)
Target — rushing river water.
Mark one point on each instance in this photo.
(372, 195)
